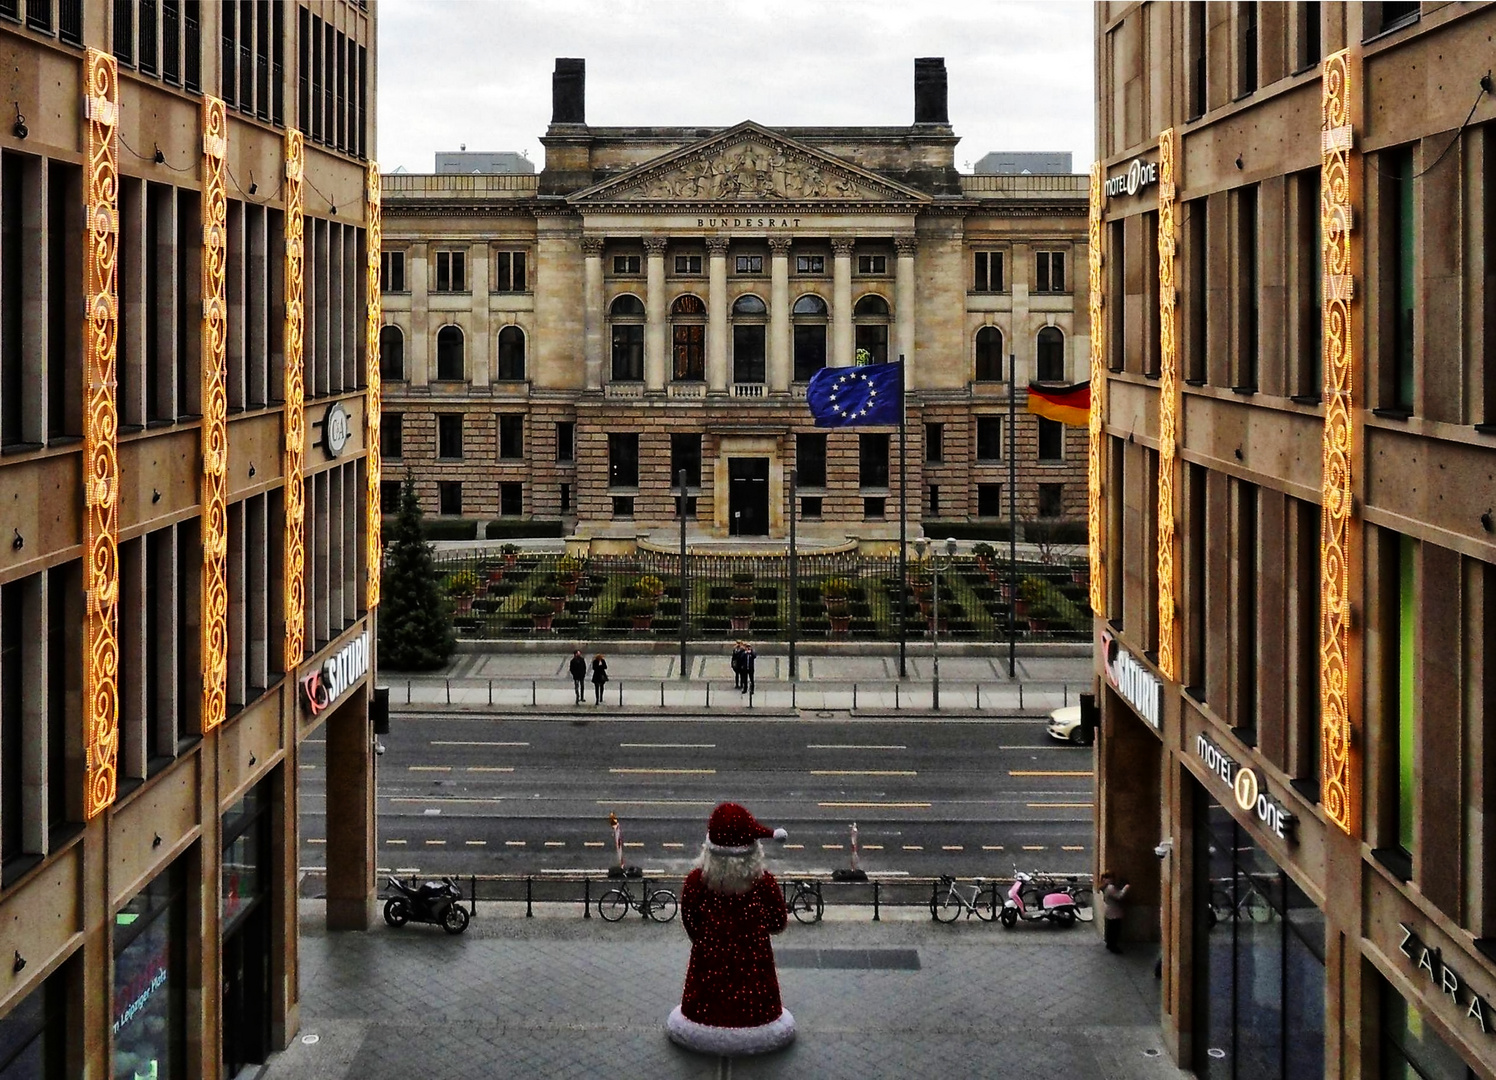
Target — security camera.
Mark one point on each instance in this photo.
(1163, 849)
(379, 752)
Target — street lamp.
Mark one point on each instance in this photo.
(921, 546)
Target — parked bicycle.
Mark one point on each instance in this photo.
(1249, 904)
(949, 899)
(659, 905)
(805, 900)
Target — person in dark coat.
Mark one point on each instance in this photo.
(578, 669)
(748, 658)
(599, 677)
(738, 652)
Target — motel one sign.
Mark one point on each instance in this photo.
(1138, 175)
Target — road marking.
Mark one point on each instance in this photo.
(307, 766)
(445, 799)
(914, 847)
(667, 772)
(1059, 805)
(436, 843)
(1030, 772)
(514, 843)
(555, 843)
(872, 847)
(428, 768)
(831, 847)
(633, 843)
(1072, 847)
(407, 869)
(794, 847)
(854, 746)
(490, 768)
(1033, 847)
(670, 845)
(397, 841)
(992, 847)
(865, 805)
(651, 802)
(669, 745)
(316, 840)
(1033, 746)
(439, 742)
(863, 772)
(952, 847)
(592, 843)
(314, 740)
(476, 843)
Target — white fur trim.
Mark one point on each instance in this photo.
(731, 1042)
(723, 849)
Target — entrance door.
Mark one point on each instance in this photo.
(748, 496)
(246, 992)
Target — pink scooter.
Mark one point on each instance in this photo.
(1030, 901)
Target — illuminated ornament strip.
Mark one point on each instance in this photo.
(215, 449)
(295, 416)
(1337, 768)
(1098, 402)
(100, 429)
(373, 317)
(1168, 405)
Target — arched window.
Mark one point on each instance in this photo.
(391, 353)
(809, 315)
(511, 354)
(989, 354)
(626, 317)
(449, 360)
(870, 317)
(1051, 355)
(749, 331)
(688, 339)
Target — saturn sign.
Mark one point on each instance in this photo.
(1138, 175)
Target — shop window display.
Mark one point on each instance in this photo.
(149, 982)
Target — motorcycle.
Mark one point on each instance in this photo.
(437, 902)
(1032, 900)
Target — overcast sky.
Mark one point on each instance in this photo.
(479, 71)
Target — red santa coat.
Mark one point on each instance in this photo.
(731, 981)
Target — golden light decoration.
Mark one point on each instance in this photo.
(1337, 764)
(215, 432)
(373, 317)
(295, 409)
(1168, 404)
(100, 430)
(1098, 403)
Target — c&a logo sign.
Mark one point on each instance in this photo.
(325, 685)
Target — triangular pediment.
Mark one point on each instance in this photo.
(747, 164)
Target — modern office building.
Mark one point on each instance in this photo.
(560, 346)
(1294, 562)
(187, 402)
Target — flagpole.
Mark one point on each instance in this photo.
(1012, 506)
(903, 530)
(794, 575)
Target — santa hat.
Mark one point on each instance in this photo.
(732, 830)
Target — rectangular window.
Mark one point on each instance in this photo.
(810, 350)
(1051, 440)
(1310, 46)
(124, 29)
(566, 439)
(449, 435)
(1246, 57)
(1393, 15)
(1244, 605)
(391, 441)
(1308, 371)
(934, 504)
(688, 264)
(989, 438)
(148, 37)
(1246, 283)
(511, 500)
(1195, 578)
(872, 461)
(623, 506)
(628, 353)
(623, 460)
(511, 436)
(1197, 255)
(685, 456)
(392, 271)
(566, 498)
(989, 500)
(987, 273)
(1405, 746)
(750, 264)
(688, 352)
(690, 507)
(14, 644)
(1152, 323)
(389, 497)
(873, 339)
(509, 271)
(934, 443)
(1395, 167)
(810, 507)
(872, 264)
(171, 41)
(451, 271)
(810, 264)
(748, 353)
(1049, 271)
(810, 460)
(874, 507)
(449, 497)
(625, 264)
(1051, 500)
(1195, 68)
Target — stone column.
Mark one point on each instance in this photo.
(592, 307)
(841, 304)
(716, 317)
(656, 349)
(903, 299)
(779, 315)
(483, 360)
(350, 815)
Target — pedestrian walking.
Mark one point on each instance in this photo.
(748, 658)
(738, 652)
(1113, 893)
(578, 668)
(599, 677)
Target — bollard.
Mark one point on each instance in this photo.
(896, 705)
(979, 697)
(529, 897)
(472, 896)
(407, 691)
(875, 902)
(620, 693)
(1066, 689)
(793, 702)
(662, 695)
(490, 691)
(854, 696)
(1020, 696)
(708, 695)
(532, 693)
(449, 690)
(586, 898)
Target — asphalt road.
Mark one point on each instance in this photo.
(508, 795)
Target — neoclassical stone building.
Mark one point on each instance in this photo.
(561, 346)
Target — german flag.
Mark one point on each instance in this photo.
(1067, 404)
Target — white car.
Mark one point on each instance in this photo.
(1065, 725)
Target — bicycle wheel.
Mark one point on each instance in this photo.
(1257, 907)
(948, 909)
(803, 905)
(662, 905)
(614, 905)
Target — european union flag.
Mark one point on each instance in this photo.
(857, 396)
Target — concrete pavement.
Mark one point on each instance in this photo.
(556, 996)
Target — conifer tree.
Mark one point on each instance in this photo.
(415, 621)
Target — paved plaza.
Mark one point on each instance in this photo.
(559, 996)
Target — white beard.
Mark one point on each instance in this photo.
(733, 874)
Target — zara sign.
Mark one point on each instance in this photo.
(325, 685)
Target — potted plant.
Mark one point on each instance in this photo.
(495, 573)
(835, 593)
(555, 592)
(920, 581)
(569, 572)
(742, 585)
(541, 613)
(649, 587)
(1039, 616)
(740, 613)
(510, 553)
(984, 553)
(641, 610)
(462, 586)
(1031, 592)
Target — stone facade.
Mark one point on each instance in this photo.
(686, 282)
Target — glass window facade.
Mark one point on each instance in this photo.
(1411, 1048)
(33, 1035)
(150, 981)
(1259, 955)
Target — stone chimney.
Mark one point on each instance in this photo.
(569, 91)
(929, 91)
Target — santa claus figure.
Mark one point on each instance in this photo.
(730, 905)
